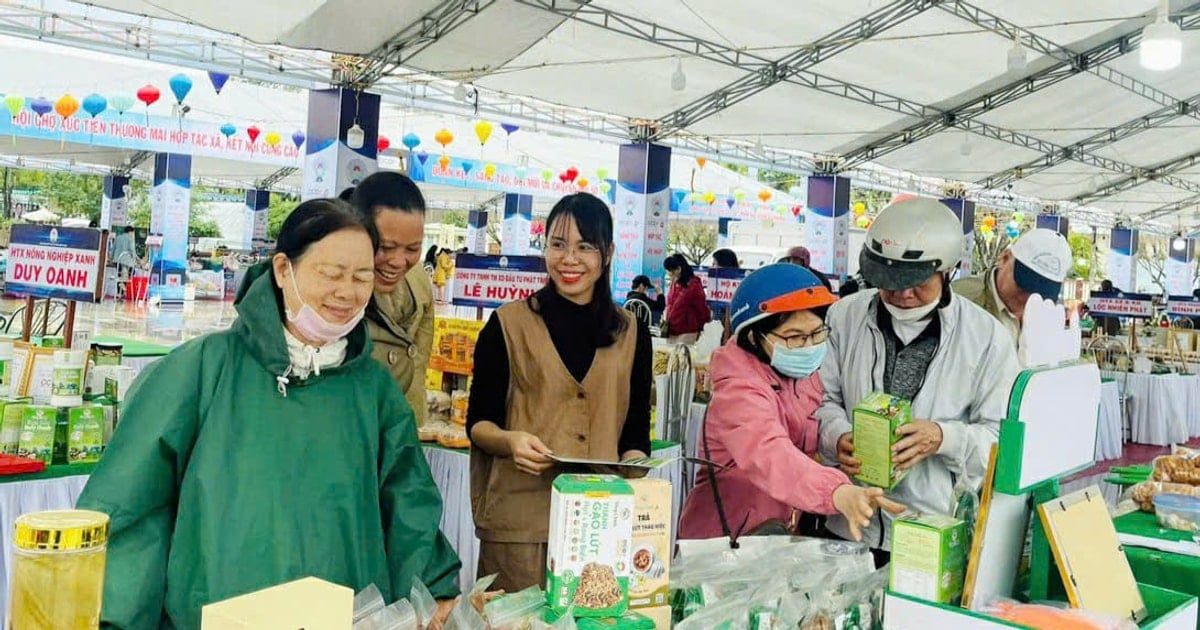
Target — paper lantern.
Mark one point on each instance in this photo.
(563, 177)
(298, 138)
(547, 175)
(509, 128)
(228, 130)
(273, 139)
(701, 161)
(218, 80)
(483, 131)
(467, 166)
(710, 198)
(582, 182)
(571, 173)
(520, 171)
(601, 173)
(729, 202)
(443, 137)
(41, 106)
(14, 104)
(489, 170)
(605, 187)
(863, 222)
(985, 229)
(411, 141)
(796, 210)
(422, 157)
(989, 222)
(444, 162)
(764, 195)
(148, 94)
(180, 84)
(66, 106)
(252, 132)
(382, 144)
(121, 103)
(1018, 217)
(739, 195)
(94, 104)
(859, 208)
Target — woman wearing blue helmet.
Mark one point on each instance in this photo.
(760, 428)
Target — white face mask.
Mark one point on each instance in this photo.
(910, 315)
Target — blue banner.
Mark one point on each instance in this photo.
(170, 209)
(330, 164)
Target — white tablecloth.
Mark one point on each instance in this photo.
(452, 474)
(1163, 408)
(20, 497)
(1109, 432)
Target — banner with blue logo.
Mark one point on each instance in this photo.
(47, 261)
(1117, 304)
(170, 206)
(1122, 258)
(330, 165)
(491, 281)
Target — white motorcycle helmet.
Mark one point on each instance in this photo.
(908, 242)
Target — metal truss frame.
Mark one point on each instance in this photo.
(1171, 208)
(400, 49)
(1160, 173)
(1065, 67)
(269, 181)
(760, 79)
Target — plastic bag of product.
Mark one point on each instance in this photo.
(516, 611)
(1044, 617)
(565, 622)
(1143, 493)
(728, 615)
(478, 595)
(1177, 468)
(367, 602)
(464, 617)
(422, 602)
(398, 616)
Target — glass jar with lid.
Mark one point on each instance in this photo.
(58, 570)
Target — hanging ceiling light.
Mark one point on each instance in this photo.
(355, 137)
(678, 78)
(1162, 45)
(1017, 61)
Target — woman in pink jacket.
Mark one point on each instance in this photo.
(760, 428)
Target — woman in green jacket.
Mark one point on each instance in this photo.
(272, 451)
(400, 315)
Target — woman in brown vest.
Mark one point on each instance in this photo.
(564, 372)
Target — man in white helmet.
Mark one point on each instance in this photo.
(911, 337)
(1036, 263)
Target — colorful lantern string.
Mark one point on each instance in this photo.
(411, 141)
(273, 139)
(14, 104)
(444, 162)
(489, 170)
(547, 175)
(571, 173)
(121, 103)
(252, 132)
(483, 131)
(149, 95)
(764, 195)
(382, 144)
(298, 138)
(41, 106)
(443, 137)
(228, 130)
(601, 173)
(582, 183)
(701, 162)
(181, 85)
(218, 80)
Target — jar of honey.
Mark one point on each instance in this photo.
(58, 570)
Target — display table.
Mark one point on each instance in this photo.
(451, 469)
(1162, 408)
(56, 488)
(1174, 571)
(1109, 431)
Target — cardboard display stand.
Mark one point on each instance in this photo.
(1049, 434)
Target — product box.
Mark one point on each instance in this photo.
(876, 419)
(11, 418)
(38, 428)
(629, 621)
(650, 564)
(590, 544)
(929, 557)
(660, 615)
(309, 603)
(85, 434)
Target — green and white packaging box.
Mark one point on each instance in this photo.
(12, 416)
(929, 557)
(37, 433)
(876, 419)
(85, 437)
(591, 522)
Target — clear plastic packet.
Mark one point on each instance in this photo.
(516, 611)
(728, 615)
(464, 617)
(478, 595)
(422, 602)
(367, 602)
(1047, 617)
(565, 622)
(398, 616)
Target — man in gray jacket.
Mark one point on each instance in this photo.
(912, 338)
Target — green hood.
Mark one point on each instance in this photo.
(260, 324)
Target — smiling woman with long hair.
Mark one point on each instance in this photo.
(567, 373)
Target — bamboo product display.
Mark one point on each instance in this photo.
(58, 570)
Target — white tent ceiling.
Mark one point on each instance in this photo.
(914, 85)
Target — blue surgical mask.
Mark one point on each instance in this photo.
(798, 362)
